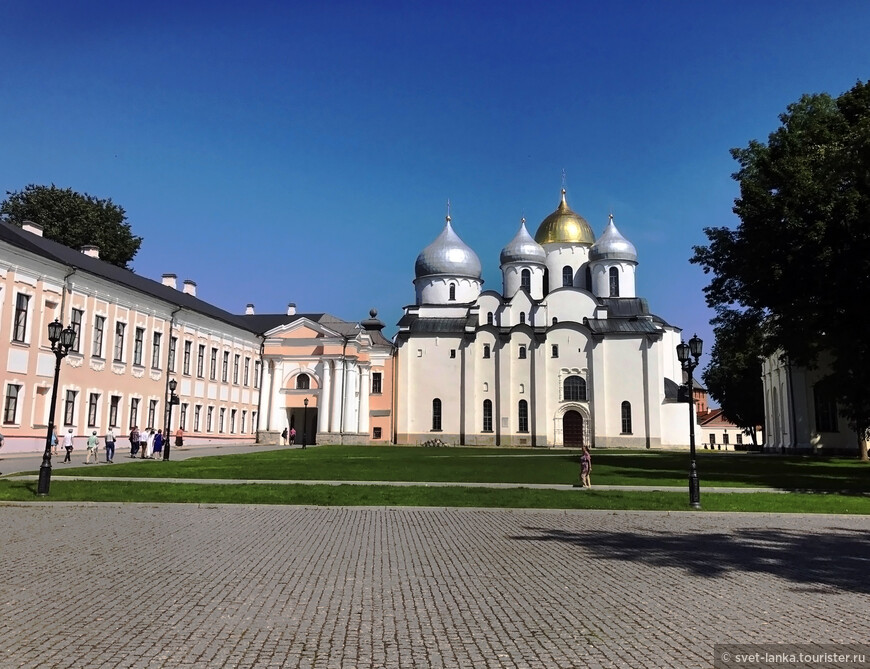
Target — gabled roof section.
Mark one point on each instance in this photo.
(264, 324)
(64, 255)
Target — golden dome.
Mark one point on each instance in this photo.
(564, 226)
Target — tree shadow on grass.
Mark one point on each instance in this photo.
(839, 559)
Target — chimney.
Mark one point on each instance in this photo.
(91, 251)
(291, 309)
(249, 310)
(30, 226)
(170, 280)
(189, 287)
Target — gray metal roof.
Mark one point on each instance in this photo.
(448, 255)
(611, 245)
(602, 326)
(522, 248)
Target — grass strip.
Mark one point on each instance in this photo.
(351, 495)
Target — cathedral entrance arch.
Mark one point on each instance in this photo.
(572, 429)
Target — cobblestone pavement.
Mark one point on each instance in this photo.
(113, 585)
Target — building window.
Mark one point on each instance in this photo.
(69, 408)
(554, 351)
(93, 406)
(826, 408)
(487, 415)
(134, 412)
(526, 280)
(486, 351)
(489, 318)
(114, 404)
(376, 433)
(152, 413)
(522, 352)
(170, 360)
(119, 341)
(182, 419)
(452, 292)
(99, 330)
(436, 415)
(225, 367)
(76, 325)
(522, 317)
(725, 441)
(208, 418)
(200, 361)
(712, 439)
(197, 413)
(244, 420)
(524, 416)
(739, 438)
(256, 374)
(575, 389)
(10, 406)
(155, 350)
(186, 363)
(236, 360)
(614, 282)
(212, 367)
(555, 320)
(233, 421)
(377, 383)
(567, 276)
(22, 304)
(221, 420)
(452, 352)
(247, 369)
(626, 418)
(303, 382)
(138, 345)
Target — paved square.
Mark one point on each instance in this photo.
(110, 585)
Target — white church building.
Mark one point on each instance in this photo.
(564, 354)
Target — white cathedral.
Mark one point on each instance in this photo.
(566, 354)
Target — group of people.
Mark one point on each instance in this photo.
(146, 444)
(289, 437)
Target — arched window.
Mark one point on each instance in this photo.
(522, 317)
(575, 389)
(303, 382)
(452, 292)
(614, 282)
(524, 416)
(555, 320)
(526, 280)
(436, 414)
(567, 276)
(522, 352)
(486, 351)
(487, 415)
(626, 418)
(489, 318)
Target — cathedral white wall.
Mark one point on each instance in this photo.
(600, 271)
(569, 305)
(436, 289)
(560, 255)
(512, 276)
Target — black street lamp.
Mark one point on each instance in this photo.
(61, 338)
(304, 423)
(173, 399)
(685, 353)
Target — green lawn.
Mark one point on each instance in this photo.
(375, 495)
(392, 463)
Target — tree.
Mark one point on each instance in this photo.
(74, 220)
(733, 376)
(801, 253)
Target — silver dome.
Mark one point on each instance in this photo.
(611, 245)
(522, 248)
(448, 255)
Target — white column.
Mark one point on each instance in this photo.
(269, 382)
(364, 390)
(337, 394)
(351, 417)
(323, 400)
(278, 417)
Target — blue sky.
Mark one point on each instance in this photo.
(332, 134)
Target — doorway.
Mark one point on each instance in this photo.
(572, 429)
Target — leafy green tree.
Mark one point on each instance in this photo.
(801, 253)
(733, 376)
(74, 220)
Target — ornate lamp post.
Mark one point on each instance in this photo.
(685, 354)
(173, 399)
(305, 423)
(62, 339)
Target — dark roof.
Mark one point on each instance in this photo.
(51, 250)
(672, 389)
(434, 325)
(600, 326)
(625, 307)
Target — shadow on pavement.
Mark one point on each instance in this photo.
(837, 560)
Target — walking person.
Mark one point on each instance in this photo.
(54, 441)
(143, 443)
(585, 468)
(68, 445)
(93, 446)
(179, 438)
(292, 435)
(134, 441)
(284, 436)
(149, 444)
(110, 445)
(158, 445)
